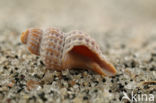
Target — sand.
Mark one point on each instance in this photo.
(127, 40)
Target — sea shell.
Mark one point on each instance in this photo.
(61, 51)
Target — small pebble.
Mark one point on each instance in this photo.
(42, 96)
(85, 98)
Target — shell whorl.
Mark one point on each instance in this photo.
(82, 44)
(32, 37)
(60, 50)
(77, 38)
(52, 48)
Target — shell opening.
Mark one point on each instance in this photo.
(106, 67)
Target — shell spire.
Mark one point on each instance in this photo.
(32, 37)
(61, 51)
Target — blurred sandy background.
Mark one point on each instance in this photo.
(132, 20)
(91, 15)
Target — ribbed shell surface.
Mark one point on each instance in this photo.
(77, 38)
(34, 40)
(51, 50)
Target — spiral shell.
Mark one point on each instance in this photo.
(61, 51)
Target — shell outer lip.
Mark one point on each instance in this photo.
(109, 71)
